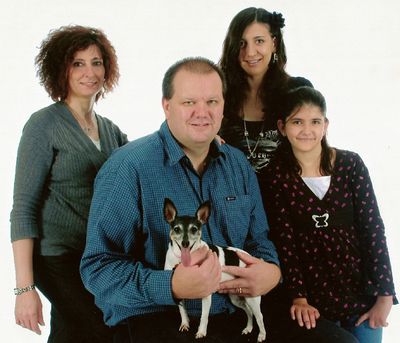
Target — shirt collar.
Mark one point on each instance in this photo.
(175, 153)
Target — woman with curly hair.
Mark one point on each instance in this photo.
(61, 150)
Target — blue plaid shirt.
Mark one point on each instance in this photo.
(128, 236)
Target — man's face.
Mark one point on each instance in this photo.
(194, 113)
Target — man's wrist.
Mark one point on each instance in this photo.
(19, 291)
(176, 300)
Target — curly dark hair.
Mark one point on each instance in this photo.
(275, 78)
(57, 52)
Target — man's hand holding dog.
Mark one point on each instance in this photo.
(258, 278)
(200, 279)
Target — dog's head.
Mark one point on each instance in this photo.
(185, 231)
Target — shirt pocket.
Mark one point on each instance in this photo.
(236, 214)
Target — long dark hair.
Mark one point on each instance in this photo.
(292, 102)
(275, 78)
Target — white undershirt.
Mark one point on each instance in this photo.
(96, 143)
(318, 184)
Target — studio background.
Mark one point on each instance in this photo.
(349, 49)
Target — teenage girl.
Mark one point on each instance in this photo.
(326, 225)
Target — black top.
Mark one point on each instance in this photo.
(332, 251)
(262, 139)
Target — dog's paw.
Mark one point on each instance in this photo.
(261, 337)
(247, 330)
(201, 334)
(184, 327)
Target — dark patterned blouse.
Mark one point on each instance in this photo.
(333, 251)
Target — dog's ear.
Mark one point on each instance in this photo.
(169, 210)
(203, 212)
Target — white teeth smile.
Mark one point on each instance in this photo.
(253, 62)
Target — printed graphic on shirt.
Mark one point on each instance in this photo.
(260, 148)
(321, 221)
(259, 145)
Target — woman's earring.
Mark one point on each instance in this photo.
(274, 58)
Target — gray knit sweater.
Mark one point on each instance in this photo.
(56, 167)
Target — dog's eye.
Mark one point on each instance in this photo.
(194, 230)
(177, 229)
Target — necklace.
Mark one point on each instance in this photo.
(86, 128)
(246, 135)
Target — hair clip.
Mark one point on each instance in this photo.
(277, 20)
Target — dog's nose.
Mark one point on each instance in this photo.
(185, 244)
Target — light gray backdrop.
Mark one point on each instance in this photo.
(349, 49)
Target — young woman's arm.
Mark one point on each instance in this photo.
(305, 314)
(378, 313)
(379, 278)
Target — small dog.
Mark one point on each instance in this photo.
(185, 235)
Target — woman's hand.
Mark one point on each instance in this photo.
(28, 311)
(378, 313)
(28, 306)
(304, 313)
